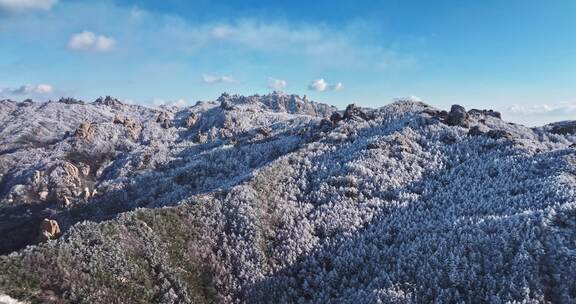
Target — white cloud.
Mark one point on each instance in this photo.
(88, 41)
(26, 5)
(137, 13)
(544, 109)
(320, 85)
(212, 79)
(337, 87)
(276, 84)
(314, 44)
(29, 89)
(319, 45)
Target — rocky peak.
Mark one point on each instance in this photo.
(109, 101)
(278, 102)
(457, 116)
(294, 104)
(354, 112)
(70, 100)
(563, 127)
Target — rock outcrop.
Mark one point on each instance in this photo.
(354, 112)
(485, 113)
(164, 120)
(49, 230)
(475, 131)
(110, 102)
(71, 101)
(564, 127)
(85, 131)
(496, 134)
(191, 120)
(335, 118)
(457, 117)
(132, 127)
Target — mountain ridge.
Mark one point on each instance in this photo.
(290, 201)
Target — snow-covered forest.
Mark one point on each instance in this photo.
(278, 199)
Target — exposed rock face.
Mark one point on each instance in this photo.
(164, 120)
(475, 131)
(86, 131)
(227, 105)
(110, 102)
(485, 113)
(131, 125)
(437, 114)
(191, 120)
(457, 116)
(335, 118)
(69, 100)
(64, 182)
(496, 134)
(354, 112)
(26, 103)
(49, 230)
(564, 127)
(133, 128)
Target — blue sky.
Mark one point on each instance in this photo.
(514, 56)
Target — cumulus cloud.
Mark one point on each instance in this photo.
(26, 5)
(29, 89)
(336, 87)
(305, 44)
(212, 79)
(88, 41)
(544, 109)
(320, 85)
(276, 84)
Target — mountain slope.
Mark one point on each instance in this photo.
(262, 199)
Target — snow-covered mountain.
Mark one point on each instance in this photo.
(278, 199)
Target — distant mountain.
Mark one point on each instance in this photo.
(278, 199)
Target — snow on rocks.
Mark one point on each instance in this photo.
(85, 131)
(354, 112)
